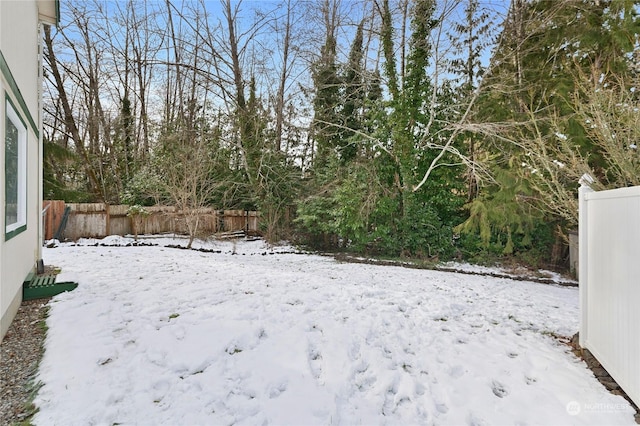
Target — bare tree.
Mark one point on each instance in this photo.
(70, 127)
(185, 168)
(104, 77)
(285, 73)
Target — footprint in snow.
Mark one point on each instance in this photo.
(262, 334)
(364, 382)
(441, 406)
(233, 349)
(386, 352)
(105, 360)
(362, 377)
(159, 390)
(354, 351)
(499, 389)
(315, 327)
(157, 358)
(389, 400)
(474, 420)
(118, 331)
(456, 371)
(315, 361)
(178, 332)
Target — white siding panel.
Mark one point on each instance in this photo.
(612, 302)
(19, 39)
(19, 81)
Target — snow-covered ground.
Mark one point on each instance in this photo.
(161, 336)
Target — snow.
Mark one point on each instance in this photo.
(559, 163)
(561, 136)
(163, 336)
(539, 275)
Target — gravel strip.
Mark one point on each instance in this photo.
(20, 353)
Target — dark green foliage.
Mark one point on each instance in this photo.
(503, 219)
(368, 204)
(354, 99)
(60, 166)
(278, 190)
(419, 233)
(145, 188)
(424, 219)
(470, 38)
(313, 222)
(388, 50)
(123, 141)
(327, 97)
(339, 213)
(549, 52)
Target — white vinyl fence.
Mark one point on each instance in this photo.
(610, 282)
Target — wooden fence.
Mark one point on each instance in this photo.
(98, 220)
(609, 232)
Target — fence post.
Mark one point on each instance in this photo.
(107, 218)
(583, 254)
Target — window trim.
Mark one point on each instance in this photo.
(20, 225)
(15, 91)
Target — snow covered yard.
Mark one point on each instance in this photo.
(156, 335)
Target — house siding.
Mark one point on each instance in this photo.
(19, 81)
(21, 52)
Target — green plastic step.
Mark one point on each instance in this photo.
(43, 286)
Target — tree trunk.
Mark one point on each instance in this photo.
(70, 123)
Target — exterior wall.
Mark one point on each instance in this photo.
(19, 40)
(19, 81)
(609, 283)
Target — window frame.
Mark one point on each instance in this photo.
(20, 223)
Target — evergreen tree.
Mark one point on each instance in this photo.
(546, 50)
(470, 38)
(354, 95)
(327, 97)
(59, 174)
(407, 221)
(123, 141)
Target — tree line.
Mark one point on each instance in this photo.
(420, 128)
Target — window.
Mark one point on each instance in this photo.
(15, 173)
